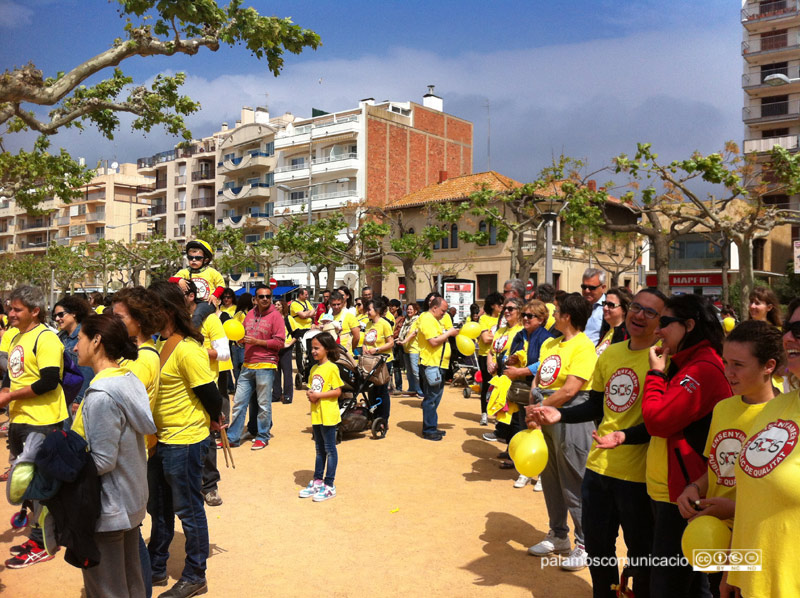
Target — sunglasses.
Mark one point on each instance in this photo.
(649, 312)
(590, 287)
(60, 315)
(794, 328)
(510, 308)
(263, 296)
(194, 258)
(665, 321)
(610, 304)
(528, 316)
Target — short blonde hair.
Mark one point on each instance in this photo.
(538, 309)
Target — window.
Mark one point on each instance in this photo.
(269, 179)
(782, 132)
(251, 238)
(436, 245)
(487, 283)
(778, 201)
(445, 242)
(492, 234)
(758, 253)
(454, 236)
(297, 196)
(775, 105)
(297, 162)
(773, 40)
(270, 148)
(410, 231)
(269, 208)
(775, 68)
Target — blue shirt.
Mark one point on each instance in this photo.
(69, 341)
(535, 341)
(592, 329)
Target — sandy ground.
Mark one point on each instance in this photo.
(412, 518)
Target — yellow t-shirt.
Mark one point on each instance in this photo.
(239, 316)
(388, 315)
(620, 374)
(551, 309)
(5, 342)
(377, 335)
(559, 359)
(363, 320)
(323, 378)
(501, 345)
(179, 415)
(24, 369)
(605, 343)
(768, 500)
(349, 322)
(212, 331)
(486, 322)
(430, 327)
(99, 309)
(731, 420)
(412, 348)
(296, 307)
(207, 281)
(230, 310)
(77, 423)
(146, 367)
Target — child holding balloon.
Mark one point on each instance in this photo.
(324, 389)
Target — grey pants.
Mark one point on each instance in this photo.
(568, 446)
(119, 574)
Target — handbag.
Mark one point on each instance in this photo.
(368, 363)
(519, 392)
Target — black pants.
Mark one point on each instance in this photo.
(668, 582)
(283, 386)
(484, 367)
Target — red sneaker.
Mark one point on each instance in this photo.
(33, 556)
(22, 548)
(258, 445)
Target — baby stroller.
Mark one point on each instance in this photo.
(355, 406)
(301, 377)
(464, 368)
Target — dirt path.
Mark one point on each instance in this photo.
(412, 518)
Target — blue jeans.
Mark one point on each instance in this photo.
(325, 439)
(412, 372)
(237, 359)
(434, 389)
(174, 475)
(260, 382)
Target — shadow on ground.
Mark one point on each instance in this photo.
(487, 467)
(506, 561)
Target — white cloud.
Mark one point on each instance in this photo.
(14, 15)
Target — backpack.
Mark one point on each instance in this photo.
(71, 379)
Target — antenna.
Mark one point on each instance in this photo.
(488, 107)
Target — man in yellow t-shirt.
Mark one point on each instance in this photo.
(301, 313)
(346, 323)
(32, 391)
(434, 358)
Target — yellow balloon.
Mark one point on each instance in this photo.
(728, 324)
(471, 330)
(529, 452)
(233, 330)
(466, 346)
(703, 539)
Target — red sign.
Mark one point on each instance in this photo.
(273, 283)
(401, 289)
(688, 280)
(529, 286)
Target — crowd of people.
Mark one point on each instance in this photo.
(652, 412)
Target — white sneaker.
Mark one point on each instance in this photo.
(490, 436)
(521, 481)
(324, 493)
(313, 487)
(576, 560)
(484, 419)
(537, 487)
(549, 545)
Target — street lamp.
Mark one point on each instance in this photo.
(549, 210)
(780, 79)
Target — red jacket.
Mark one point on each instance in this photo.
(267, 326)
(679, 409)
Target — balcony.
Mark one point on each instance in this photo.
(776, 46)
(95, 237)
(754, 79)
(203, 202)
(96, 216)
(143, 212)
(179, 206)
(36, 224)
(180, 231)
(756, 13)
(292, 172)
(63, 221)
(203, 174)
(142, 237)
(180, 180)
(253, 159)
(347, 161)
(62, 241)
(789, 142)
(157, 210)
(249, 191)
(321, 129)
(771, 113)
(321, 201)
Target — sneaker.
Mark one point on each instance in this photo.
(313, 487)
(522, 480)
(258, 445)
(549, 545)
(186, 589)
(324, 493)
(160, 580)
(490, 436)
(537, 487)
(31, 557)
(212, 498)
(22, 548)
(576, 560)
(484, 419)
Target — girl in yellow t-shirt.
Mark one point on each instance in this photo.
(324, 389)
(379, 339)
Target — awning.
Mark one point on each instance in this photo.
(281, 291)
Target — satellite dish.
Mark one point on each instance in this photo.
(350, 279)
(114, 165)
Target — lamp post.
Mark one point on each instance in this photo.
(780, 79)
(549, 209)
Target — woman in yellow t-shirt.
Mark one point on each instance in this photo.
(492, 308)
(378, 338)
(362, 318)
(408, 339)
(243, 305)
(324, 389)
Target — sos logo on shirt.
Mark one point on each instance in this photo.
(622, 390)
(16, 361)
(549, 369)
(372, 336)
(317, 383)
(768, 448)
(725, 450)
(602, 347)
(500, 343)
(203, 288)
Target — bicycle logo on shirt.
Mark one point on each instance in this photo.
(768, 448)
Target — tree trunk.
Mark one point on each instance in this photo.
(411, 280)
(660, 247)
(315, 273)
(726, 265)
(331, 272)
(745, 247)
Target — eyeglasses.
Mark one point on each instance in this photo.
(528, 316)
(590, 287)
(194, 258)
(794, 328)
(665, 321)
(60, 315)
(611, 304)
(263, 296)
(649, 312)
(510, 308)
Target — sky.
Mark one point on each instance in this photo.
(586, 78)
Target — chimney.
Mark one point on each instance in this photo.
(262, 115)
(224, 127)
(247, 115)
(368, 101)
(442, 176)
(592, 184)
(432, 101)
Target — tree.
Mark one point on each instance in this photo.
(153, 28)
(158, 258)
(232, 254)
(67, 264)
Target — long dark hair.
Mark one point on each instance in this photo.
(174, 307)
(348, 295)
(113, 336)
(244, 303)
(140, 303)
(765, 340)
(768, 296)
(706, 324)
(329, 344)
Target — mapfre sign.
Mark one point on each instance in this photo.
(688, 280)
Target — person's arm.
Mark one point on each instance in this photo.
(209, 396)
(442, 338)
(585, 412)
(328, 394)
(49, 379)
(689, 499)
(356, 332)
(572, 385)
(104, 427)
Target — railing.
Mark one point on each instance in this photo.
(180, 231)
(771, 43)
(4, 205)
(202, 174)
(774, 111)
(788, 142)
(141, 236)
(336, 121)
(180, 152)
(161, 183)
(63, 221)
(764, 10)
(756, 76)
(95, 237)
(292, 167)
(156, 210)
(203, 202)
(180, 179)
(62, 241)
(180, 206)
(143, 212)
(32, 225)
(337, 158)
(95, 216)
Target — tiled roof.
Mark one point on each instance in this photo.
(455, 188)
